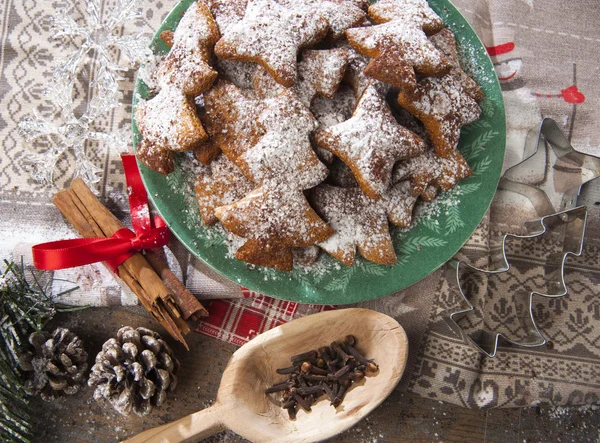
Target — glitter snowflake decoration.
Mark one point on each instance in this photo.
(99, 41)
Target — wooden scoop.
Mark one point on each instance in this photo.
(243, 407)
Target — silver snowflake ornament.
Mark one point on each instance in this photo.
(69, 130)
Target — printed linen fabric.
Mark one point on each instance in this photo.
(547, 65)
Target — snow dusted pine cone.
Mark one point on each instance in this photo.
(57, 364)
(135, 371)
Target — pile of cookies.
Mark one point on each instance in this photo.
(322, 121)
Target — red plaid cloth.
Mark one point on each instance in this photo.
(239, 320)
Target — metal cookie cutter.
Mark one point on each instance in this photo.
(551, 177)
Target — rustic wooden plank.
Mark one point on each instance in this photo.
(402, 417)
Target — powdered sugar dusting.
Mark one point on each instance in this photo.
(416, 11)
(371, 142)
(168, 121)
(271, 35)
(284, 154)
(358, 221)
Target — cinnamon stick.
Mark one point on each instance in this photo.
(189, 305)
(137, 265)
(91, 219)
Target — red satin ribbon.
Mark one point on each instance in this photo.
(116, 249)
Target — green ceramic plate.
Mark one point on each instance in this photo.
(441, 229)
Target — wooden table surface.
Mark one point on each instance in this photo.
(402, 417)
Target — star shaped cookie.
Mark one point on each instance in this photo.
(340, 14)
(399, 50)
(272, 34)
(273, 221)
(371, 142)
(320, 73)
(227, 13)
(444, 104)
(430, 170)
(359, 223)
(399, 202)
(330, 112)
(355, 72)
(416, 11)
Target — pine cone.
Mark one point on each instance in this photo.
(134, 371)
(57, 364)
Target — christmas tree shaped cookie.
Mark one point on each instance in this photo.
(284, 153)
(187, 66)
(359, 223)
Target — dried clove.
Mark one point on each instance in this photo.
(317, 389)
(305, 356)
(369, 364)
(292, 410)
(303, 402)
(290, 370)
(341, 393)
(330, 370)
(340, 352)
(340, 373)
(314, 377)
(279, 387)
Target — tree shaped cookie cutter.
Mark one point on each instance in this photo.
(551, 177)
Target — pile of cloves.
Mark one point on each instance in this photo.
(330, 371)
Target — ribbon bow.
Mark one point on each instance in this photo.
(114, 250)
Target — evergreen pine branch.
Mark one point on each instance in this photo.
(24, 307)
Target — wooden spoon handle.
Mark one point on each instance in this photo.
(193, 428)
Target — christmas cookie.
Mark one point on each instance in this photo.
(445, 42)
(355, 72)
(400, 50)
(371, 142)
(399, 202)
(230, 119)
(330, 112)
(272, 34)
(226, 14)
(430, 170)
(319, 74)
(187, 66)
(359, 222)
(340, 14)
(225, 184)
(167, 122)
(273, 221)
(341, 175)
(284, 153)
(306, 256)
(415, 11)
(444, 104)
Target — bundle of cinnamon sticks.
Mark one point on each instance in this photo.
(148, 277)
